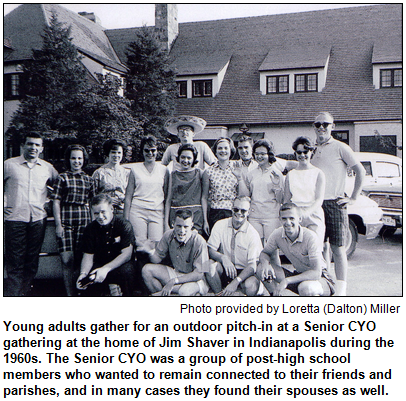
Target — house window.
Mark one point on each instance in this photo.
(306, 83)
(182, 88)
(277, 84)
(12, 86)
(342, 136)
(391, 78)
(202, 88)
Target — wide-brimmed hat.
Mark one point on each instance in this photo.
(174, 123)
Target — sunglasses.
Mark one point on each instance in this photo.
(150, 150)
(302, 152)
(325, 125)
(237, 210)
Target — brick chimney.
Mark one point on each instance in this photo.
(91, 16)
(166, 23)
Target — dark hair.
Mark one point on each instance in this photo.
(224, 138)
(245, 138)
(288, 206)
(68, 152)
(306, 142)
(269, 147)
(32, 135)
(184, 214)
(192, 148)
(149, 140)
(113, 143)
(303, 140)
(101, 198)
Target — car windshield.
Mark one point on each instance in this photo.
(387, 170)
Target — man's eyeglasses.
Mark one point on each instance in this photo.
(237, 210)
(150, 150)
(325, 125)
(302, 152)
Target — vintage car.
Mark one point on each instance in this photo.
(383, 184)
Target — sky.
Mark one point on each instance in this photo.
(130, 15)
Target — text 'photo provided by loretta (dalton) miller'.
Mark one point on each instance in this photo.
(209, 350)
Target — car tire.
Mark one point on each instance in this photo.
(387, 231)
(352, 239)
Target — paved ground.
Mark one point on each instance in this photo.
(375, 269)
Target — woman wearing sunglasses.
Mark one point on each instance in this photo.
(305, 185)
(145, 194)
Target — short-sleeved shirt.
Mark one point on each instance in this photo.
(74, 188)
(264, 193)
(333, 157)
(112, 181)
(204, 154)
(107, 242)
(301, 252)
(185, 257)
(223, 186)
(247, 243)
(25, 189)
(149, 186)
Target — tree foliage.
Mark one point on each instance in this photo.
(151, 84)
(64, 103)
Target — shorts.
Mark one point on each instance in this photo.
(203, 286)
(265, 227)
(147, 224)
(326, 281)
(315, 219)
(336, 219)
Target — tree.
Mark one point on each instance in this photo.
(62, 103)
(52, 79)
(151, 84)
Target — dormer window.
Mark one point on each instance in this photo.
(202, 88)
(387, 63)
(391, 77)
(277, 84)
(305, 82)
(200, 75)
(182, 88)
(294, 69)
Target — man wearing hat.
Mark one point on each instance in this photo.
(186, 127)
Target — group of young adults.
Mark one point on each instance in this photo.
(203, 222)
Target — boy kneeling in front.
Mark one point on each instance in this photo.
(189, 257)
(302, 248)
(107, 250)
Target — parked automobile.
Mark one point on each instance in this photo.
(389, 199)
(364, 218)
(383, 184)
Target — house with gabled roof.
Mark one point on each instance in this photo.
(270, 75)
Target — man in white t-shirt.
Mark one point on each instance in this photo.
(186, 127)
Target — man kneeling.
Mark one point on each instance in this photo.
(107, 250)
(302, 248)
(236, 245)
(187, 251)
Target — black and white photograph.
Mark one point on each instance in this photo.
(202, 150)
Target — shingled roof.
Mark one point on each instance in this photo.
(24, 26)
(347, 34)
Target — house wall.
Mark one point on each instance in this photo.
(282, 136)
(10, 106)
(379, 127)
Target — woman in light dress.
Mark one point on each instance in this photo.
(305, 187)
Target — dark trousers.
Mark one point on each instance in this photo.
(23, 243)
(124, 276)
